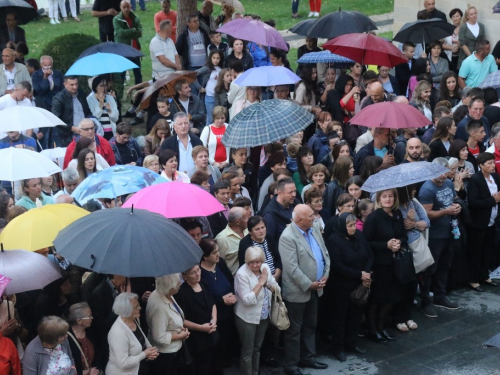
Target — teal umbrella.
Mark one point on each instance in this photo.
(100, 63)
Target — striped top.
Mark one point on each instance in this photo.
(267, 253)
(105, 120)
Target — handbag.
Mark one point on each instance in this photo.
(422, 256)
(359, 296)
(279, 313)
(184, 359)
(404, 269)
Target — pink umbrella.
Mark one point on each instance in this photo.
(254, 31)
(175, 200)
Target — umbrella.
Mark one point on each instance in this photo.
(390, 115)
(38, 228)
(266, 122)
(254, 31)
(111, 47)
(55, 154)
(403, 175)
(115, 181)
(24, 11)
(495, 340)
(326, 57)
(131, 243)
(167, 84)
(21, 164)
(424, 31)
(4, 281)
(21, 118)
(303, 27)
(27, 270)
(100, 63)
(492, 80)
(267, 76)
(238, 7)
(175, 199)
(335, 24)
(366, 49)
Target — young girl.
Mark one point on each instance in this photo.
(155, 138)
(353, 186)
(363, 209)
(49, 186)
(209, 77)
(222, 87)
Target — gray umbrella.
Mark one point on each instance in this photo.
(403, 175)
(493, 341)
(128, 242)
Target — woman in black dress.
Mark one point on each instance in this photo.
(385, 231)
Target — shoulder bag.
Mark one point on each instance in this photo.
(359, 296)
(279, 313)
(404, 269)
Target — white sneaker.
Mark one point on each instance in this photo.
(57, 20)
(311, 14)
(316, 14)
(52, 22)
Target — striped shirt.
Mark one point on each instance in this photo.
(267, 253)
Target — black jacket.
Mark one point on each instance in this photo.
(332, 105)
(62, 107)
(218, 223)
(277, 217)
(472, 159)
(171, 143)
(366, 150)
(246, 60)
(196, 110)
(41, 88)
(480, 200)
(437, 150)
(182, 45)
(403, 74)
(247, 242)
(19, 35)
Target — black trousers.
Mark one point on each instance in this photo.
(480, 253)
(436, 276)
(165, 363)
(402, 309)
(345, 320)
(106, 37)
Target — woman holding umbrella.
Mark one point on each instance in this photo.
(239, 53)
(32, 190)
(469, 33)
(168, 161)
(103, 106)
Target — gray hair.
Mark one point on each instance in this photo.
(452, 162)
(165, 283)
(123, 305)
(254, 253)
(164, 24)
(179, 115)
(350, 218)
(78, 311)
(465, 91)
(235, 213)
(441, 161)
(70, 175)
(86, 121)
(495, 130)
(235, 15)
(46, 57)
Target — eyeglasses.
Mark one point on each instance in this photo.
(87, 318)
(87, 129)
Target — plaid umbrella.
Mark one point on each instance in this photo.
(266, 122)
(325, 57)
(493, 80)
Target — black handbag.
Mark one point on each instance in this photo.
(404, 269)
(184, 359)
(359, 296)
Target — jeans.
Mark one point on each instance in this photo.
(142, 4)
(106, 37)
(437, 274)
(295, 6)
(69, 7)
(209, 105)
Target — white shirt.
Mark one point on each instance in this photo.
(212, 81)
(10, 78)
(493, 190)
(162, 47)
(474, 29)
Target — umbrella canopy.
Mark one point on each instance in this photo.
(27, 270)
(112, 47)
(19, 118)
(24, 11)
(265, 123)
(366, 49)
(100, 63)
(403, 175)
(265, 76)
(38, 228)
(390, 115)
(254, 31)
(128, 242)
(175, 200)
(492, 80)
(424, 31)
(336, 24)
(55, 154)
(115, 181)
(4, 281)
(326, 57)
(21, 164)
(166, 85)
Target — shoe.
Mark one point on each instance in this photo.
(354, 349)
(477, 288)
(446, 304)
(295, 15)
(57, 20)
(429, 311)
(137, 121)
(388, 336)
(312, 363)
(129, 115)
(65, 19)
(490, 283)
(340, 356)
(411, 324)
(271, 362)
(310, 14)
(316, 14)
(402, 327)
(378, 337)
(77, 19)
(52, 22)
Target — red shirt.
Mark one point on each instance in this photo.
(474, 151)
(220, 151)
(134, 41)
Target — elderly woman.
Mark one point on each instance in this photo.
(165, 320)
(200, 317)
(254, 285)
(168, 161)
(201, 163)
(49, 352)
(84, 347)
(211, 136)
(152, 162)
(351, 260)
(103, 106)
(32, 190)
(314, 199)
(128, 346)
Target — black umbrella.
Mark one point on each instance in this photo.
(303, 27)
(128, 242)
(424, 31)
(24, 11)
(112, 47)
(336, 24)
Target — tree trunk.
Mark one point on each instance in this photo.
(184, 9)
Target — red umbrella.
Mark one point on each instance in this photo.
(366, 49)
(390, 115)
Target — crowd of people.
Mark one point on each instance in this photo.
(295, 218)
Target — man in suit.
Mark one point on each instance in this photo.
(306, 267)
(10, 32)
(403, 70)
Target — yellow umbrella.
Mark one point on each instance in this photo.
(37, 228)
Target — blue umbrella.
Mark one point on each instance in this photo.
(115, 181)
(492, 80)
(111, 47)
(100, 63)
(325, 57)
(266, 122)
(265, 76)
(403, 175)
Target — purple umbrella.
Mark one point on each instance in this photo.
(254, 31)
(267, 76)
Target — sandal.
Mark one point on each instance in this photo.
(402, 327)
(411, 324)
(77, 19)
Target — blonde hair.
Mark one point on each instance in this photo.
(150, 159)
(466, 14)
(419, 89)
(254, 253)
(394, 206)
(161, 124)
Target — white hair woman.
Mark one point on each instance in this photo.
(166, 324)
(253, 284)
(128, 346)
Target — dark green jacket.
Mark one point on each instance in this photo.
(125, 34)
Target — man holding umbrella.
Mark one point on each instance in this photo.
(11, 32)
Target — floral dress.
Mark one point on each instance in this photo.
(60, 363)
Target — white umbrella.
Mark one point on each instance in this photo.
(56, 154)
(22, 164)
(19, 118)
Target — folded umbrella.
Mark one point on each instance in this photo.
(21, 164)
(24, 11)
(265, 76)
(112, 47)
(326, 57)
(175, 200)
(424, 31)
(390, 115)
(19, 118)
(254, 31)
(128, 242)
(100, 63)
(492, 80)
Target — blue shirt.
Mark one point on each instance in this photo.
(380, 153)
(474, 71)
(316, 250)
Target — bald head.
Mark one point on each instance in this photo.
(125, 7)
(303, 216)
(401, 99)
(237, 218)
(414, 149)
(65, 198)
(377, 92)
(8, 56)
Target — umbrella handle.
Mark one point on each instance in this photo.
(92, 256)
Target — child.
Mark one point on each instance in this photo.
(162, 103)
(222, 87)
(209, 76)
(337, 127)
(363, 209)
(291, 160)
(217, 43)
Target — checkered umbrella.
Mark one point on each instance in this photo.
(326, 57)
(266, 122)
(493, 80)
